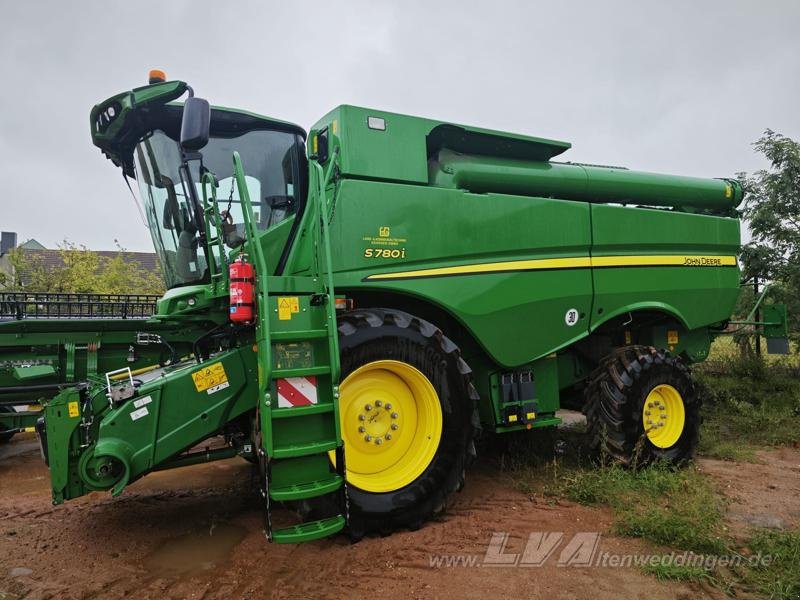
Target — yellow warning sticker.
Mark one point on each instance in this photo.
(72, 408)
(672, 337)
(210, 377)
(288, 306)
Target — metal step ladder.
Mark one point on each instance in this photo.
(298, 367)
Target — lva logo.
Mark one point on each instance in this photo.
(579, 551)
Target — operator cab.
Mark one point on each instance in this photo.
(142, 135)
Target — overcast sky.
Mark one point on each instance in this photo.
(676, 87)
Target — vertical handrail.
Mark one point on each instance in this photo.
(263, 341)
(219, 274)
(326, 268)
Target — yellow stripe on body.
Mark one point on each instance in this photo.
(583, 262)
(498, 267)
(664, 260)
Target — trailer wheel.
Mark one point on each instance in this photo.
(408, 418)
(5, 436)
(641, 406)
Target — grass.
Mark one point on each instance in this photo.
(677, 573)
(669, 507)
(748, 403)
(778, 579)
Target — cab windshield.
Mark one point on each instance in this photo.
(272, 162)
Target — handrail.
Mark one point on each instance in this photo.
(62, 305)
(219, 275)
(263, 342)
(322, 180)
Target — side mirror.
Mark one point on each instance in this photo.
(196, 124)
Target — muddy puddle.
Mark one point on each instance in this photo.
(194, 553)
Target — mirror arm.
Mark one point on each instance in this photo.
(192, 191)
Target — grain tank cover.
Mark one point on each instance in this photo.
(375, 144)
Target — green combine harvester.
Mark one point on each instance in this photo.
(348, 308)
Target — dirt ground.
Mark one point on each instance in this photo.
(197, 533)
(762, 495)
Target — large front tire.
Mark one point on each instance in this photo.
(641, 407)
(402, 462)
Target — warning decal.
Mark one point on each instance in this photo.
(288, 306)
(210, 378)
(297, 391)
(72, 408)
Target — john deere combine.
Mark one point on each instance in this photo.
(348, 307)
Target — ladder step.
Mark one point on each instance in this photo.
(302, 411)
(311, 489)
(302, 334)
(304, 449)
(305, 532)
(280, 373)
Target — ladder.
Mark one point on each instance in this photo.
(298, 371)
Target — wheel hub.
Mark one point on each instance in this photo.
(663, 416)
(379, 422)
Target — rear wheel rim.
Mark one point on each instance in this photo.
(391, 423)
(664, 416)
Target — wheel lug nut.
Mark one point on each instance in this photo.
(650, 405)
(388, 436)
(395, 415)
(368, 438)
(361, 429)
(647, 413)
(368, 407)
(395, 426)
(361, 418)
(378, 441)
(378, 403)
(388, 406)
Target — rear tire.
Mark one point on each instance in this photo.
(379, 335)
(622, 392)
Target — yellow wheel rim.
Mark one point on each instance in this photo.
(663, 416)
(391, 423)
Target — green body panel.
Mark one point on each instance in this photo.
(437, 227)
(696, 295)
(432, 227)
(168, 415)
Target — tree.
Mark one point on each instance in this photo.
(121, 275)
(81, 271)
(772, 211)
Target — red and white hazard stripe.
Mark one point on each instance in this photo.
(297, 391)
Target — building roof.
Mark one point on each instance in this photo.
(31, 244)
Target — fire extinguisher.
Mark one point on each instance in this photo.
(242, 293)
